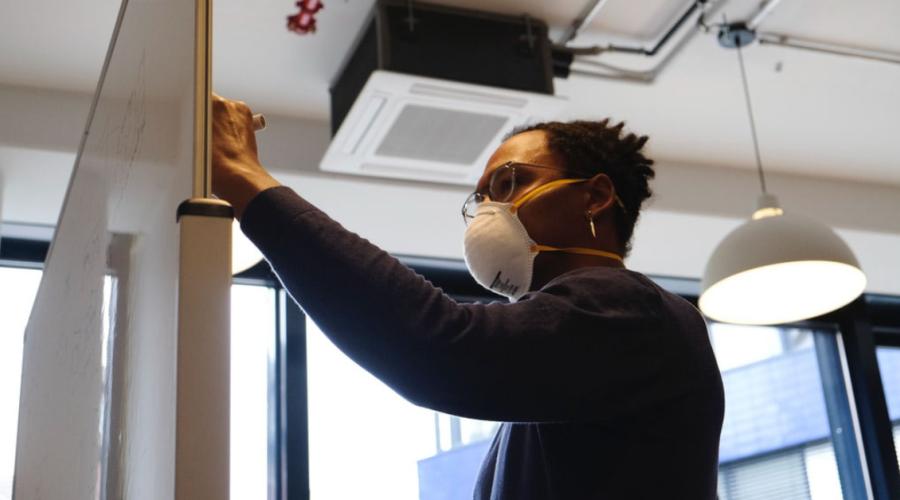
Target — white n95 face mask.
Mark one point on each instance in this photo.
(498, 250)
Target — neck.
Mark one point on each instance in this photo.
(549, 265)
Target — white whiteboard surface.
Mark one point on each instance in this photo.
(97, 411)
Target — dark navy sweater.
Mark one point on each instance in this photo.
(606, 383)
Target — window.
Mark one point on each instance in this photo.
(18, 288)
(889, 366)
(252, 330)
(776, 440)
(365, 441)
(776, 437)
(253, 325)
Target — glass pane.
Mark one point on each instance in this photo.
(451, 472)
(889, 364)
(18, 288)
(776, 440)
(253, 325)
(252, 332)
(365, 441)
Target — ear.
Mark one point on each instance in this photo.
(601, 193)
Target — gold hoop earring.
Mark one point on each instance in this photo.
(590, 218)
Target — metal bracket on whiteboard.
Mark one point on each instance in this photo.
(206, 207)
(202, 98)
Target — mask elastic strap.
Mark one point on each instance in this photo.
(541, 190)
(578, 250)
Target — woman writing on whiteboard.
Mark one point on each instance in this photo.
(607, 383)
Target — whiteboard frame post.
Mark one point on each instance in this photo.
(202, 99)
(202, 430)
(204, 351)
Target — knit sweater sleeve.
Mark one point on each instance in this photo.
(543, 358)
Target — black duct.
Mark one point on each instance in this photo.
(511, 52)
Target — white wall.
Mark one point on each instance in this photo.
(425, 220)
(39, 135)
(693, 208)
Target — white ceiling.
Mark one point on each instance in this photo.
(817, 114)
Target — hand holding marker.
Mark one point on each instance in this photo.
(244, 253)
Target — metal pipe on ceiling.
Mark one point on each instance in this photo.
(763, 12)
(673, 28)
(827, 48)
(598, 69)
(594, 67)
(611, 76)
(610, 72)
(588, 13)
(665, 38)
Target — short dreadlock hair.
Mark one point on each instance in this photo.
(598, 147)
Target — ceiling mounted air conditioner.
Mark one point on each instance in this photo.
(428, 94)
(418, 128)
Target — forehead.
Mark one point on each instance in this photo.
(527, 147)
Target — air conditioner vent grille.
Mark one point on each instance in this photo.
(440, 135)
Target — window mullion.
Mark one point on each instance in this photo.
(871, 407)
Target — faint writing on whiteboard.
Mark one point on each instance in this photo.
(130, 132)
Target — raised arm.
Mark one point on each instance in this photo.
(562, 353)
(539, 359)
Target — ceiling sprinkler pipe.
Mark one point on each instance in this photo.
(643, 79)
(603, 68)
(599, 49)
(665, 38)
(763, 12)
(828, 48)
(587, 15)
(648, 76)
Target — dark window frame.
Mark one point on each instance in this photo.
(23, 252)
(860, 326)
(872, 320)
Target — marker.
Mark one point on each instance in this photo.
(259, 122)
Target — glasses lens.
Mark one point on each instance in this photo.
(470, 207)
(503, 183)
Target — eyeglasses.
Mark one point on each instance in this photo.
(502, 186)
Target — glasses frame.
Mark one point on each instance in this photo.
(477, 197)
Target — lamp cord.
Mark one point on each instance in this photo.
(762, 178)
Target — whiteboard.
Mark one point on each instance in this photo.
(97, 411)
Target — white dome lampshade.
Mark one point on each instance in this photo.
(779, 268)
(244, 253)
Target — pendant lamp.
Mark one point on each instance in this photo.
(777, 267)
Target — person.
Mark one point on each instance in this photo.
(606, 384)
